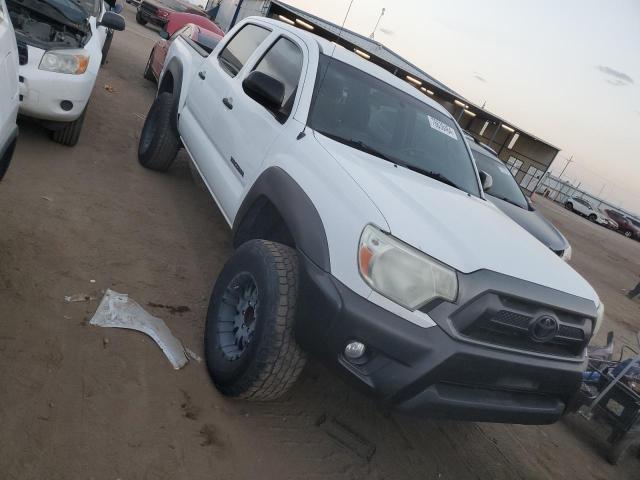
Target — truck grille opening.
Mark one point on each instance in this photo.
(512, 329)
(23, 53)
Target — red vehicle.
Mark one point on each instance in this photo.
(158, 12)
(177, 20)
(203, 38)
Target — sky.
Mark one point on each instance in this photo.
(567, 72)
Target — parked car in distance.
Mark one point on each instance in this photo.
(626, 226)
(584, 208)
(205, 39)
(60, 46)
(177, 20)
(505, 194)
(157, 12)
(362, 236)
(8, 89)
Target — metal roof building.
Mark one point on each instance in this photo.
(528, 156)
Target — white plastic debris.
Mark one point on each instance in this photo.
(78, 297)
(119, 311)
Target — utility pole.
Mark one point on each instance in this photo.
(602, 190)
(235, 14)
(377, 23)
(569, 160)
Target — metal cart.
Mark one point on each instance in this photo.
(606, 398)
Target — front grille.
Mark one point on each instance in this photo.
(23, 53)
(511, 329)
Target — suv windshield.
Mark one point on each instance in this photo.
(359, 110)
(504, 185)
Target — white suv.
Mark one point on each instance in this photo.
(363, 236)
(8, 90)
(584, 208)
(60, 50)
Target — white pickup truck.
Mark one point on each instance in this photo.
(60, 45)
(362, 236)
(8, 90)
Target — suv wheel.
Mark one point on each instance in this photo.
(592, 217)
(628, 233)
(568, 206)
(69, 134)
(159, 141)
(250, 348)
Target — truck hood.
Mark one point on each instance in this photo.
(460, 230)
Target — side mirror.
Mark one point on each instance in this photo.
(112, 20)
(164, 34)
(487, 180)
(264, 89)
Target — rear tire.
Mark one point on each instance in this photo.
(159, 141)
(139, 19)
(593, 217)
(254, 355)
(70, 133)
(569, 206)
(148, 73)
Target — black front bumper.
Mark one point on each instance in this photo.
(6, 152)
(427, 370)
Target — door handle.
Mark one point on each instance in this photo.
(228, 102)
(202, 75)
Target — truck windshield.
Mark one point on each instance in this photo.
(504, 185)
(364, 112)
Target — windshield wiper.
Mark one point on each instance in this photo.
(431, 174)
(505, 199)
(359, 145)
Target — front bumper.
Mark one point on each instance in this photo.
(427, 370)
(42, 92)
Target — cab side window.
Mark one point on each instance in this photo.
(283, 61)
(236, 53)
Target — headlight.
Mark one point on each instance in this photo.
(65, 61)
(566, 255)
(401, 273)
(599, 319)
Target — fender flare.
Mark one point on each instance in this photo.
(176, 70)
(296, 209)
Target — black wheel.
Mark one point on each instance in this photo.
(148, 73)
(628, 233)
(159, 141)
(568, 206)
(106, 47)
(627, 444)
(250, 348)
(69, 134)
(592, 217)
(140, 20)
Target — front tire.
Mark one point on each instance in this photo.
(250, 349)
(569, 206)
(593, 217)
(69, 134)
(106, 47)
(628, 234)
(140, 20)
(159, 141)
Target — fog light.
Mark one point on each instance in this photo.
(66, 105)
(354, 350)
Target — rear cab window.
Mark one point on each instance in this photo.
(283, 61)
(238, 50)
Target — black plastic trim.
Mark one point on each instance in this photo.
(296, 209)
(176, 70)
(6, 152)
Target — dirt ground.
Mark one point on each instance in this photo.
(81, 402)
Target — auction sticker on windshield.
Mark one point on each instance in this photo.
(442, 127)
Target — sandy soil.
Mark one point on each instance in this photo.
(81, 402)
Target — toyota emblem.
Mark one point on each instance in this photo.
(543, 328)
